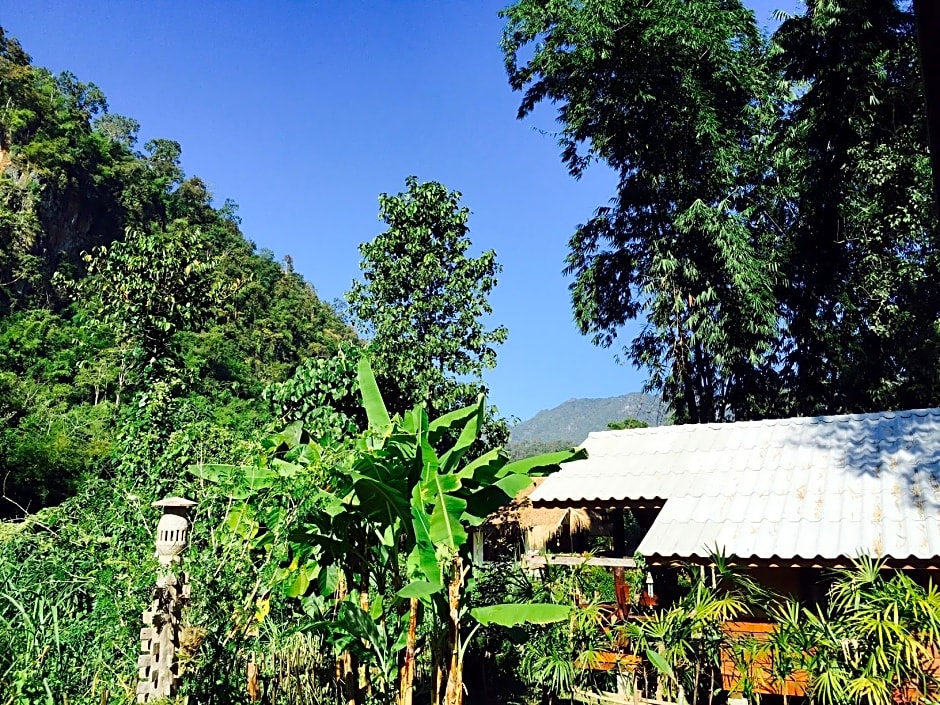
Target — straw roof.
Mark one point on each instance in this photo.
(541, 524)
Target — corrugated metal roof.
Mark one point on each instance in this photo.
(828, 487)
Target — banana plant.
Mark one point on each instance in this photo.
(449, 495)
(386, 515)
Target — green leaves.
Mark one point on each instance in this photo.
(419, 589)
(512, 615)
(544, 462)
(659, 663)
(372, 397)
(773, 221)
(446, 528)
(422, 299)
(342, 523)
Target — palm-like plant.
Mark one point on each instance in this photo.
(876, 640)
(684, 644)
(788, 645)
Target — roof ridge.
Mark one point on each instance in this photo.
(789, 421)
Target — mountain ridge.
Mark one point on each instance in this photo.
(569, 423)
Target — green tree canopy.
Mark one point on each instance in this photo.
(423, 300)
(771, 225)
(121, 281)
(627, 423)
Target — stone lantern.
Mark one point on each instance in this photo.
(173, 528)
(158, 670)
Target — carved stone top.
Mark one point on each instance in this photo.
(173, 528)
(168, 502)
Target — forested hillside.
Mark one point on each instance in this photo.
(145, 343)
(131, 306)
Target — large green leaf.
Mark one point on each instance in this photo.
(419, 589)
(415, 420)
(298, 586)
(484, 502)
(423, 559)
(213, 472)
(468, 434)
(439, 426)
(379, 500)
(511, 615)
(659, 662)
(544, 462)
(514, 484)
(430, 463)
(485, 469)
(446, 528)
(372, 397)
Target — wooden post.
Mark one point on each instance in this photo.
(620, 536)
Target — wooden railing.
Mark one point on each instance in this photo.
(759, 665)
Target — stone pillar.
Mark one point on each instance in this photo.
(157, 667)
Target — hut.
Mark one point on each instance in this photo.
(787, 499)
(520, 530)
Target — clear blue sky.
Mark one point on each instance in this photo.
(303, 112)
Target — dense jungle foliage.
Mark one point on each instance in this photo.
(141, 333)
(138, 326)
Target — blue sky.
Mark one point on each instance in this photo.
(303, 112)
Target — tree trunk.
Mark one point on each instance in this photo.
(406, 691)
(347, 670)
(927, 16)
(453, 695)
(365, 676)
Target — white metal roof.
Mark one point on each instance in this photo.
(828, 487)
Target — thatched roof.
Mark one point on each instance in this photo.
(540, 524)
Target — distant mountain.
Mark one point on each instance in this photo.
(570, 423)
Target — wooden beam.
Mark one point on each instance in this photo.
(608, 562)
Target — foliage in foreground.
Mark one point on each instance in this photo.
(349, 550)
(372, 539)
(874, 640)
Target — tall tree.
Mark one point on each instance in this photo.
(928, 26)
(668, 94)
(771, 222)
(859, 302)
(423, 300)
